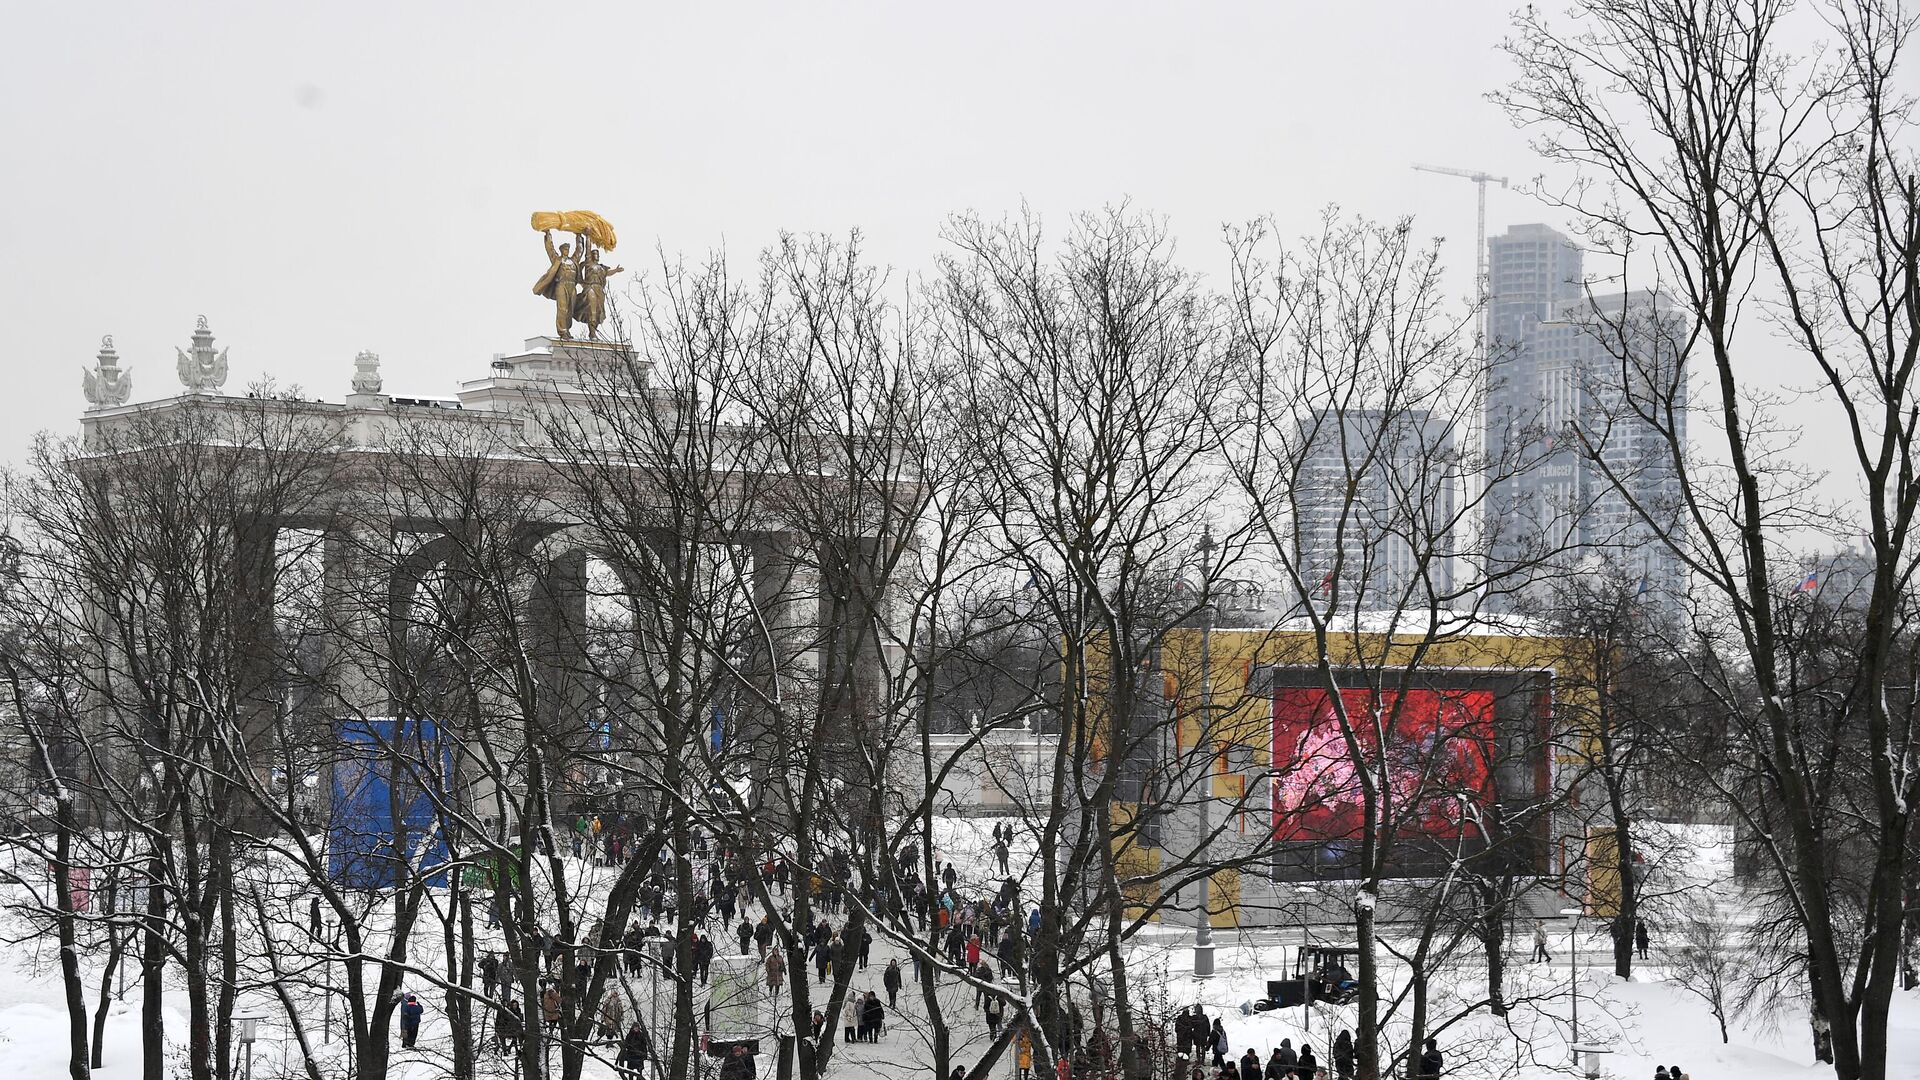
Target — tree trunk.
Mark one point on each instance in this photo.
(1417, 1023)
(116, 948)
(221, 881)
(460, 975)
(153, 968)
(1493, 941)
(1629, 915)
(1366, 1044)
(79, 1055)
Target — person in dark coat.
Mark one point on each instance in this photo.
(702, 957)
(1308, 1063)
(410, 1012)
(1191, 1034)
(1280, 1064)
(892, 981)
(1640, 937)
(633, 1051)
(489, 973)
(739, 1065)
(1217, 1044)
(508, 1027)
(1250, 1065)
(874, 1015)
(1430, 1061)
(822, 959)
(1343, 1055)
(1009, 953)
(745, 934)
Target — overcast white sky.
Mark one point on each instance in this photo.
(327, 178)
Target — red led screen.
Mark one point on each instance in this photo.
(1440, 744)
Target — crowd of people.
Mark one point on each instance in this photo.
(1198, 1039)
(983, 931)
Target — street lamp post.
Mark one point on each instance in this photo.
(1302, 892)
(330, 940)
(245, 1033)
(1573, 965)
(1203, 931)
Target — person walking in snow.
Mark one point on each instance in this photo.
(1343, 1055)
(633, 1052)
(1283, 1062)
(702, 957)
(613, 1015)
(1250, 1065)
(410, 1012)
(823, 958)
(739, 1065)
(1430, 1060)
(507, 1026)
(1640, 937)
(1540, 953)
(489, 973)
(776, 970)
(891, 980)
(1009, 953)
(1217, 1042)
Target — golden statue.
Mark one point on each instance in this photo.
(590, 303)
(558, 284)
(572, 266)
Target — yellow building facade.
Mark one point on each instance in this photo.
(1222, 711)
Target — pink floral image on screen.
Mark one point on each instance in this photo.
(1439, 747)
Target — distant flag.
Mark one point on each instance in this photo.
(719, 727)
(606, 733)
(1326, 584)
(1033, 580)
(1812, 584)
(1645, 588)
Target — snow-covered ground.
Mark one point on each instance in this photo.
(1649, 1021)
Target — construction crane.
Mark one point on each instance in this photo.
(1480, 181)
(1477, 420)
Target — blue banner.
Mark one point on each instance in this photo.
(384, 831)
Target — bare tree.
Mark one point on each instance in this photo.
(1096, 382)
(151, 546)
(1754, 184)
(1362, 471)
